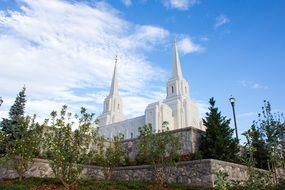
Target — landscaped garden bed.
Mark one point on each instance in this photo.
(54, 184)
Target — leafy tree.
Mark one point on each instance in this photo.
(250, 149)
(218, 143)
(69, 149)
(158, 149)
(21, 150)
(256, 179)
(256, 147)
(272, 129)
(9, 126)
(2, 146)
(110, 154)
(20, 136)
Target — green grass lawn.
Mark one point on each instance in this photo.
(54, 184)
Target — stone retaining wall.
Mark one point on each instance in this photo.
(190, 138)
(198, 172)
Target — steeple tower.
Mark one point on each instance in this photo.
(184, 111)
(177, 85)
(113, 103)
(176, 68)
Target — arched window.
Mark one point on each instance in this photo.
(114, 104)
(172, 89)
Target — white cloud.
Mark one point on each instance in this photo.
(186, 45)
(248, 114)
(253, 85)
(64, 54)
(145, 37)
(127, 3)
(135, 104)
(180, 4)
(204, 38)
(203, 108)
(221, 20)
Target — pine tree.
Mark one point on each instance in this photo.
(218, 142)
(18, 108)
(16, 111)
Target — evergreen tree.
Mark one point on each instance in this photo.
(218, 143)
(9, 126)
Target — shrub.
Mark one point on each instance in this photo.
(69, 149)
(110, 154)
(21, 150)
(158, 149)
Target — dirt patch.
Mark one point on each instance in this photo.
(8, 181)
(47, 187)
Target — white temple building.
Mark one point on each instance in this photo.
(177, 108)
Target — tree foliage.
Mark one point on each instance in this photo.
(20, 136)
(257, 179)
(267, 136)
(110, 154)
(255, 147)
(22, 149)
(222, 182)
(69, 149)
(159, 149)
(9, 126)
(218, 143)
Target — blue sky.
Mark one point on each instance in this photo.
(63, 51)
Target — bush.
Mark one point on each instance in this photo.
(110, 154)
(159, 149)
(280, 185)
(69, 149)
(21, 150)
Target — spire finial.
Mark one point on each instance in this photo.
(116, 59)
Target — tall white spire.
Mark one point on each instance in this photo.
(114, 86)
(113, 104)
(176, 69)
(184, 111)
(177, 86)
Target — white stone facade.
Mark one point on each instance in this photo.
(128, 127)
(177, 108)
